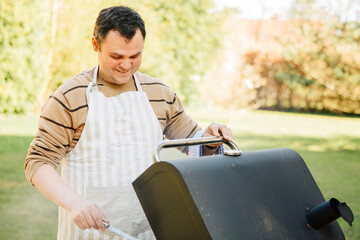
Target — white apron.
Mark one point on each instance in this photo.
(115, 147)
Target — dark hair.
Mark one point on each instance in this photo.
(120, 18)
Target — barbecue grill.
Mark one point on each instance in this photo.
(267, 194)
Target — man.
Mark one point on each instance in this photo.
(103, 124)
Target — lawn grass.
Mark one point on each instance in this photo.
(329, 145)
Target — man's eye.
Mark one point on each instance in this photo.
(135, 56)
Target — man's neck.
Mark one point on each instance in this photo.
(112, 89)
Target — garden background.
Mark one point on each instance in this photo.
(282, 81)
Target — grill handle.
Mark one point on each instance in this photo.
(190, 142)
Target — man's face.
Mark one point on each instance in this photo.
(119, 58)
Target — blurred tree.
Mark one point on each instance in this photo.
(303, 9)
(324, 54)
(184, 37)
(23, 49)
(70, 50)
(327, 57)
(42, 43)
(318, 68)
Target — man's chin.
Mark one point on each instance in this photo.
(122, 80)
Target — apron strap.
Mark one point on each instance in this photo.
(137, 83)
(92, 85)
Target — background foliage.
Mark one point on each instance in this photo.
(23, 50)
(43, 43)
(308, 62)
(314, 67)
(188, 38)
(317, 70)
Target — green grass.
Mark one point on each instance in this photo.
(24, 213)
(329, 145)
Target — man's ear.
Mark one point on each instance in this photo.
(95, 44)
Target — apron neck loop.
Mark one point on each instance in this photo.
(96, 70)
(92, 85)
(137, 84)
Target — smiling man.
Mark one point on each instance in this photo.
(102, 126)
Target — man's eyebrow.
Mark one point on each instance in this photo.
(116, 54)
(137, 53)
(120, 55)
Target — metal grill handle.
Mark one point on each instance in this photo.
(190, 142)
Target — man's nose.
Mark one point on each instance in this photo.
(125, 64)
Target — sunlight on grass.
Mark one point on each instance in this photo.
(280, 123)
(18, 126)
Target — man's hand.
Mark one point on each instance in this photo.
(216, 130)
(86, 214)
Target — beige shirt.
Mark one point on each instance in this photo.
(64, 113)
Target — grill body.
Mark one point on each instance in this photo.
(257, 195)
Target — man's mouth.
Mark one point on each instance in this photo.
(121, 70)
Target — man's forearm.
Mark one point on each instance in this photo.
(49, 183)
(206, 151)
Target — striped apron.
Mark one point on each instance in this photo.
(115, 147)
